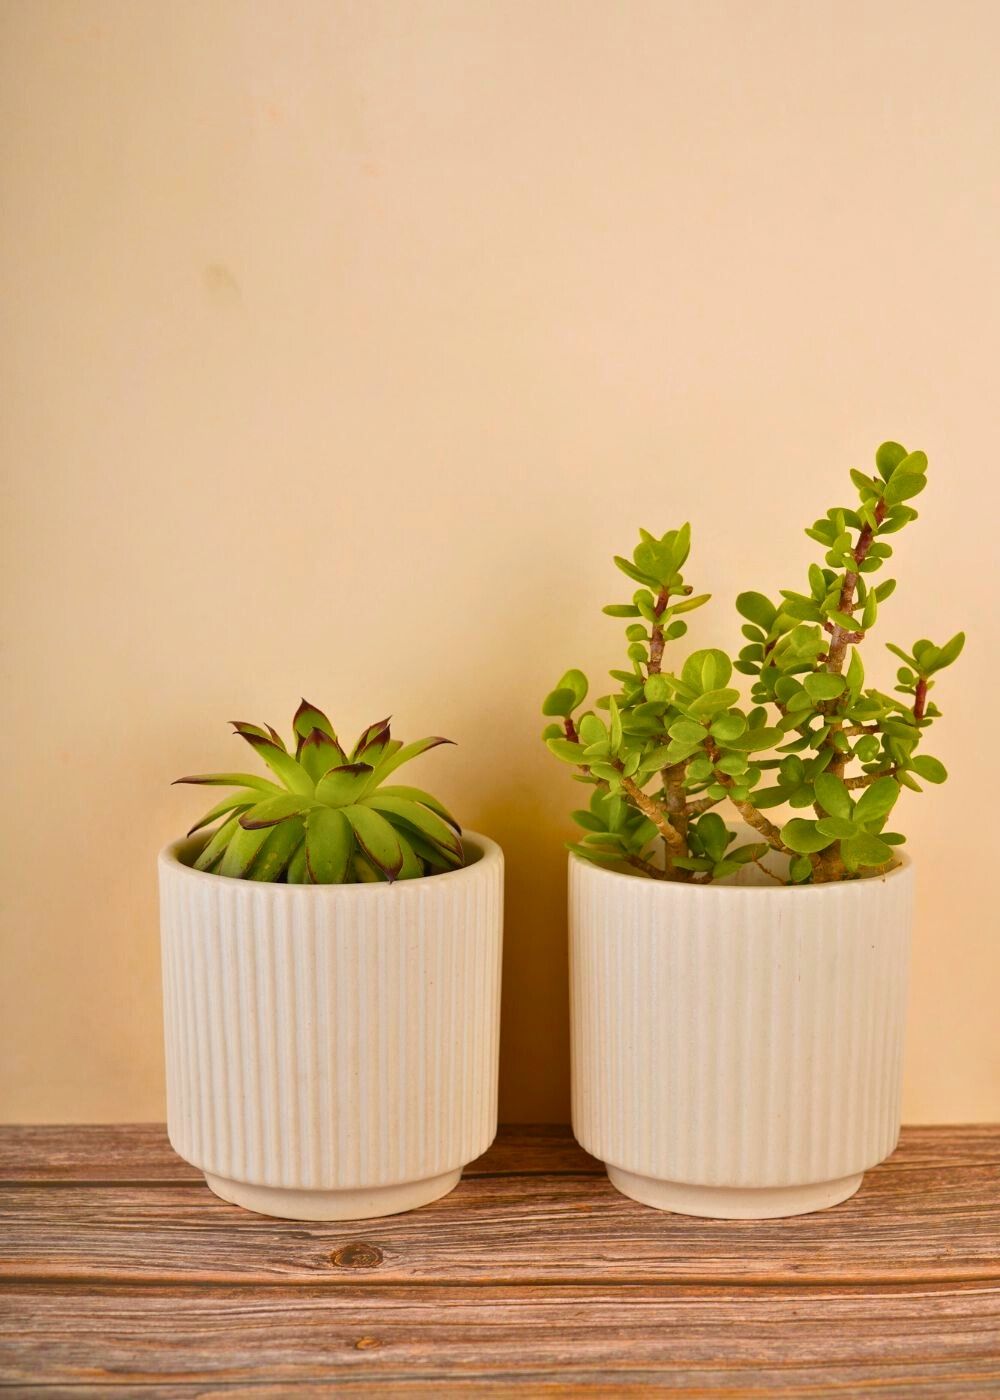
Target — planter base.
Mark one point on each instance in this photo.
(733, 1202)
(361, 1203)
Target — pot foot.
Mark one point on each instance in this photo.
(734, 1202)
(359, 1203)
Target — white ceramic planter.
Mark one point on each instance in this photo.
(737, 1049)
(332, 1050)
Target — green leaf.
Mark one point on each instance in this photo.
(566, 750)
(431, 854)
(756, 608)
(913, 464)
(391, 762)
(728, 727)
(412, 867)
(377, 839)
(575, 681)
(658, 689)
(343, 784)
(803, 836)
(686, 604)
(615, 728)
(696, 863)
(629, 569)
(680, 545)
(755, 740)
(372, 742)
(621, 610)
(329, 846)
(274, 810)
(839, 828)
(425, 799)
(844, 620)
(734, 765)
(712, 701)
(865, 850)
(216, 844)
(412, 814)
(296, 872)
(688, 731)
(932, 770)
(291, 773)
(309, 717)
(902, 487)
(855, 677)
(560, 701)
(824, 685)
(799, 869)
(888, 457)
(877, 801)
(236, 802)
(317, 753)
(242, 851)
(948, 653)
(592, 730)
(832, 795)
(279, 848)
(716, 669)
(247, 780)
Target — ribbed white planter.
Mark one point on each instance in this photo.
(737, 1049)
(332, 1050)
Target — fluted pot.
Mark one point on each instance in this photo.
(737, 1049)
(332, 1050)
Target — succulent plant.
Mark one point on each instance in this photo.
(677, 743)
(329, 819)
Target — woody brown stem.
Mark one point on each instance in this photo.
(656, 634)
(650, 808)
(841, 635)
(868, 779)
(647, 867)
(702, 804)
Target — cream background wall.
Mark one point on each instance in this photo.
(345, 343)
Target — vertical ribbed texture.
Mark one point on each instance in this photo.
(332, 1037)
(729, 1036)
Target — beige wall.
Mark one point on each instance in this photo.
(345, 342)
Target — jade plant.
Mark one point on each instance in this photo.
(672, 743)
(329, 819)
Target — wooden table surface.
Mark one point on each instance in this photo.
(123, 1275)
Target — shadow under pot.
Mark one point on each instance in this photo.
(737, 1048)
(332, 1050)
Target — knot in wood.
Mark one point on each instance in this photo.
(358, 1255)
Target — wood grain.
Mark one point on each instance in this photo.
(499, 1229)
(123, 1273)
(140, 1152)
(685, 1339)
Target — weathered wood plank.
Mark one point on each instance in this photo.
(929, 1223)
(140, 1152)
(687, 1340)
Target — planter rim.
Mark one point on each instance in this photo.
(489, 853)
(903, 866)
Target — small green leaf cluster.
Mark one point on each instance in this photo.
(710, 839)
(857, 827)
(329, 819)
(678, 741)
